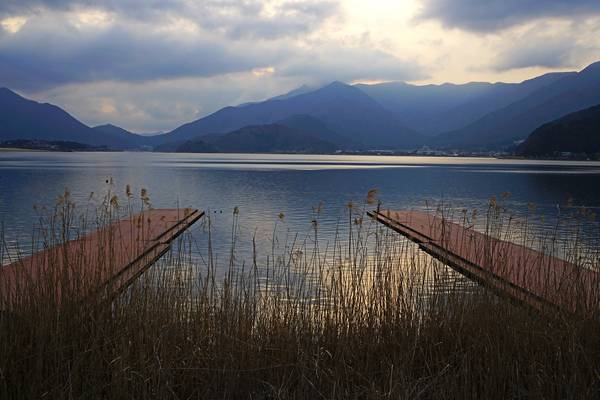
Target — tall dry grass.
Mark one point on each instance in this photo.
(366, 316)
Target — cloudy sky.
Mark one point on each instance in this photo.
(150, 65)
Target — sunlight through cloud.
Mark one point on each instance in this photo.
(13, 24)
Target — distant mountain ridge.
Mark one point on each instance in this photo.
(317, 128)
(516, 121)
(298, 91)
(25, 119)
(344, 109)
(578, 133)
(271, 138)
(434, 109)
(397, 116)
(126, 138)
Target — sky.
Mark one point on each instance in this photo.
(151, 65)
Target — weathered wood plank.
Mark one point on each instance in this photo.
(521, 273)
(104, 261)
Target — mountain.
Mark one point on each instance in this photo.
(21, 118)
(271, 138)
(433, 109)
(317, 128)
(514, 122)
(383, 116)
(298, 91)
(421, 107)
(126, 138)
(113, 130)
(191, 146)
(344, 109)
(578, 132)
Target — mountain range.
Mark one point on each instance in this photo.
(341, 108)
(577, 133)
(434, 109)
(337, 116)
(21, 118)
(271, 138)
(516, 121)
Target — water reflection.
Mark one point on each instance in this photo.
(263, 186)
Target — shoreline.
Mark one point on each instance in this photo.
(19, 150)
(367, 153)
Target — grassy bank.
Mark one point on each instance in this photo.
(367, 316)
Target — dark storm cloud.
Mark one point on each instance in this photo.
(41, 56)
(493, 15)
(143, 39)
(289, 19)
(238, 19)
(152, 64)
(130, 7)
(53, 48)
(229, 36)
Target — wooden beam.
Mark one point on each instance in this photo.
(527, 276)
(103, 262)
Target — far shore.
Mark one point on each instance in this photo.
(358, 153)
(16, 149)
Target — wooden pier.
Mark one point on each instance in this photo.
(525, 275)
(103, 262)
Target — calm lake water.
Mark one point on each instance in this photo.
(263, 186)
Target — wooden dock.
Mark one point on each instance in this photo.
(525, 275)
(103, 262)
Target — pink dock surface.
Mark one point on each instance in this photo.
(528, 276)
(104, 261)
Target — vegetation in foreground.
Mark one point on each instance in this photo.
(364, 317)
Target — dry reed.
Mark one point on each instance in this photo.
(366, 316)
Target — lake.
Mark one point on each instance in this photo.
(263, 186)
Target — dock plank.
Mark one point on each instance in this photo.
(104, 261)
(521, 273)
